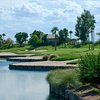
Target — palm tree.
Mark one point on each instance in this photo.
(3, 35)
(54, 31)
(70, 32)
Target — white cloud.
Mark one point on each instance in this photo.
(70, 8)
(8, 4)
(92, 4)
(30, 14)
(69, 5)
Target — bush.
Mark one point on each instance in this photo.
(45, 57)
(78, 46)
(89, 66)
(64, 78)
(6, 44)
(52, 56)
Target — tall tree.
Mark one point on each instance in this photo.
(34, 41)
(70, 32)
(65, 31)
(38, 33)
(54, 31)
(21, 37)
(37, 38)
(3, 34)
(2, 39)
(44, 39)
(84, 26)
(61, 37)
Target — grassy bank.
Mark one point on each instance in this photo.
(64, 78)
(64, 53)
(84, 81)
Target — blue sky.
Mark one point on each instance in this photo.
(28, 15)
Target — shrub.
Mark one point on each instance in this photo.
(96, 91)
(52, 56)
(45, 57)
(64, 78)
(89, 66)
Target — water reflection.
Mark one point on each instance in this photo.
(22, 85)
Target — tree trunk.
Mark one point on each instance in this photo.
(55, 43)
(65, 42)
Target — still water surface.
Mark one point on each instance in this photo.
(22, 85)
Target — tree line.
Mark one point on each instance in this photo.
(84, 31)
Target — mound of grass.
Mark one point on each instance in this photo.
(45, 57)
(52, 57)
(64, 78)
(67, 57)
(96, 91)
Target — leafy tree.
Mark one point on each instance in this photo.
(21, 37)
(35, 41)
(8, 43)
(85, 24)
(44, 39)
(38, 38)
(1, 37)
(1, 40)
(63, 36)
(3, 34)
(70, 33)
(38, 33)
(54, 31)
(5, 43)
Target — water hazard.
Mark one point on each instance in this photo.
(22, 85)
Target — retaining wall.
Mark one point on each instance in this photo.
(37, 68)
(63, 94)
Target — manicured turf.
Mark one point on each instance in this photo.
(64, 53)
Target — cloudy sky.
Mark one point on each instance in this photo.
(28, 15)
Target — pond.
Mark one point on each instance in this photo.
(22, 85)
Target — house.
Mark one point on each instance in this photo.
(51, 39)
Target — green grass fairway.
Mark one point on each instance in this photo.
(64, 53)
